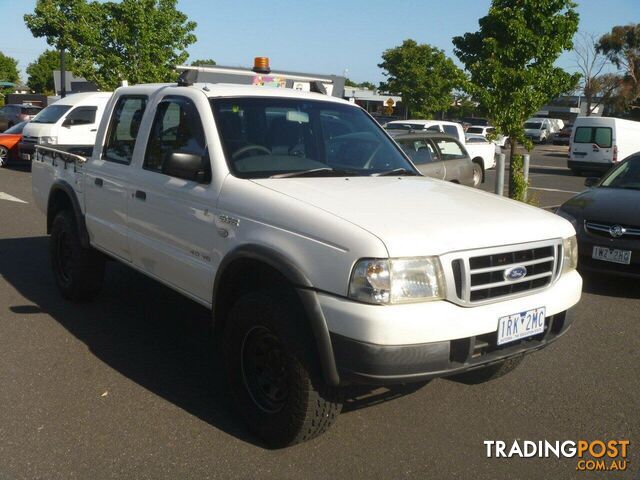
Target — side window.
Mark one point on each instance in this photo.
(434, 128)
(450, 149)
(81, 116)
(123, 129)
(177, 129)
(419, 151)
(451, 130)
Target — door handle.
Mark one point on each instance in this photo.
(93, 130)
(98, 182)
(140, 195)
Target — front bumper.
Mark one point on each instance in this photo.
(360, 362)
(586, 263)
(401, 343)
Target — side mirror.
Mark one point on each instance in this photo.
(68, 122)
(591, 181)
(188, 166)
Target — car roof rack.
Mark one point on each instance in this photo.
(259, 75)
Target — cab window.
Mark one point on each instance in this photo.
(450, 149)
(123, 128)
(81, 116)
(177, 128)
(419, 151)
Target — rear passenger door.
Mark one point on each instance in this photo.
(108, 177)
(172, 218)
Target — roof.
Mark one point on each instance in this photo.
(75, 98)
(214, 90)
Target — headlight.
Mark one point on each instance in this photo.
(569, 254)
(397, 280)
(48, 140)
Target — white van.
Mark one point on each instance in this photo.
(71, 120)
(597, 143)
(542, 129)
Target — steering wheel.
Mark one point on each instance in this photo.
(248, 148)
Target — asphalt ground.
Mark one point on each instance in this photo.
(128, 386)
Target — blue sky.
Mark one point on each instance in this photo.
(326, 36)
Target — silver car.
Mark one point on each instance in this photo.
(438, 155)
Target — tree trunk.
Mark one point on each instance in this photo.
(511, 169)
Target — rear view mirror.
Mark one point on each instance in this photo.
(188, 166)
(591, 181)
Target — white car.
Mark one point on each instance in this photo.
(501, 140)
(325, 257)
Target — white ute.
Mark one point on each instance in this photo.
(325, 257)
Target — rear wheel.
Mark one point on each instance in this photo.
(78, 271)
(273, 372)
(478, 175)
(4, 156)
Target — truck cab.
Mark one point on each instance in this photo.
(325, 257)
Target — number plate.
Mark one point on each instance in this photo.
(612, 255)
(25, 156)
(521, 325)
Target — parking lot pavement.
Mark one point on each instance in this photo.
(128, 386)
(551, 182)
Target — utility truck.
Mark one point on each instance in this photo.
(325, 257)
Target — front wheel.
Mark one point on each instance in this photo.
(4, 156)
(78, 271)
(273, 372)
(477, 174)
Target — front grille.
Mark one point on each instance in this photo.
(604, 229)
(482, 275)
(28, 139)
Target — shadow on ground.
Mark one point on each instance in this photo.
(610, 286)
(147, 332)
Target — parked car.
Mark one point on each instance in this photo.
(72, 120)
(597, 143)
(563, 137)
(475, 121)
(482, 154)
(484, 130)
(607, 220)
(9, 143)
(12, 114)
(541, 130)
(440, 156)
(324, 255)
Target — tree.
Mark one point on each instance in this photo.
(203, 63)
(622, 47)
(135, 40)
(511, 63)
(596, 84)
(423, 75)
(8, 69)
(41, 70)
(366, 85)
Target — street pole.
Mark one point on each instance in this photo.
(63, 76)
(499, 189)
(525, 172)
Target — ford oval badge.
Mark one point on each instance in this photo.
(515, 273)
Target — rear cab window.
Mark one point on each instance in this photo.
(123, 128)
(601, 136)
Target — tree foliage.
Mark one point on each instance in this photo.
(8, 69)
(365, 85)
(135, 40)
(423, 75)
(622, 47)
(40, 71)
(511, 62)
(203, 62)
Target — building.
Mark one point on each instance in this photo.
(388, 107)
(568, 107)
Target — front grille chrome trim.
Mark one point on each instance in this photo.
(605, 228)
(468, 277)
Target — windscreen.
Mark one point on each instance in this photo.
(16, 129)
(398, 126)
(533, 125)
(264, 137)
(478, 130)
(51, 114)
(626, 176)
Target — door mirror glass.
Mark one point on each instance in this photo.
(591, 181)
(188, 166)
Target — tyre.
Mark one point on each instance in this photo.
(273, 370)
(4, 156)
(78, 271)
(478, 176)
(486, 374)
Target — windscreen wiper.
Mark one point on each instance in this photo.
(395, 171)
(316, 172)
